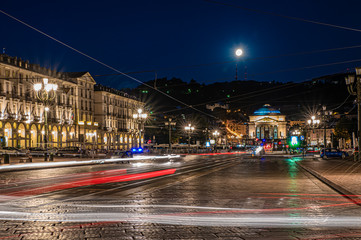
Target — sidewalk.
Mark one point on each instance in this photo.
(343, 175)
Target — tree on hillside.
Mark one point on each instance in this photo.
(343, 129)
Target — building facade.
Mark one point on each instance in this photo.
(71, 116)
(236, 132)
(267, 123)
(86, 127)
(114, 112)
(315, 137)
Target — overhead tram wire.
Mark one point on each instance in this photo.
(334, 108)
(94, 59)
(264, 91)
(233, 61)
(255, 74)
(308, 67)
(288, 96)
(126, 75)
(253, 94)
(283, 16)
(342, 103)
(101, 63)
(271, 99)
(243, 96)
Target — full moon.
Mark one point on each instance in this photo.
(239, 52)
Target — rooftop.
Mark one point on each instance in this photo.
(99, 87)
(266, 110)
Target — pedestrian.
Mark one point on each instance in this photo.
(28, 155)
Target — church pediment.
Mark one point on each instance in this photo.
(266, 119)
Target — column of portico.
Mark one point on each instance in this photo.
(252, 130)
(282, 130)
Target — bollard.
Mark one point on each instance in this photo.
(6, 159)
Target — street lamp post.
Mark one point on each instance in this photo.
(170, 124)
(238, 53)
(46, 93)
(189, 129)
(356, 92)
(140, 118)
(313, 123)
(206, 135)
(325, 114)
(216, 135)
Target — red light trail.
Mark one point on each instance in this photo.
(93, 181)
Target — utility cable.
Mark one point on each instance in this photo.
(341, 103)
(241, 97)
(307, 67)
(101, 63)
(233, 61)
(284, 16)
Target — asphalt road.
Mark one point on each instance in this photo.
(196, 197)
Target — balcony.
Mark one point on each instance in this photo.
(53, 120)
(123, 130)
(12, 116)
(4, 116)
(108, 129)
(59, 120)
(14, 95)
(25, 117)
(28, 98)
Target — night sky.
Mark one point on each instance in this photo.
(185, 38)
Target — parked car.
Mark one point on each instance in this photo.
(11, 151)
(70, 152)
(37, 151)
(332, 153)
(313, 150)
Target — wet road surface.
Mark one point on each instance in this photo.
(196, 197)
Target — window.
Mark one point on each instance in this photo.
(7, 73)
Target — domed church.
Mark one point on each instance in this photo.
(267, 123)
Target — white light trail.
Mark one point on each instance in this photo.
(236, 220)
(78, 163)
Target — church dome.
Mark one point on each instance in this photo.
(266, 110)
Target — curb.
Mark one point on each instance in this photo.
(344, 192)
(47, 165)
